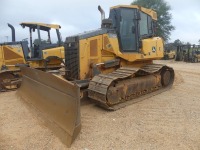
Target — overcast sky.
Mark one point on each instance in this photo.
(76, 16)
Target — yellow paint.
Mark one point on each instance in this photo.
(150, 12)
(40, 64)
(1, 56)
(152, 49)
(171, 54)
(86, 60)
(55, 26)
(146, 53)
(58, 51)
(16, 52)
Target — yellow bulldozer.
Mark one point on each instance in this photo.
(169, 54)
(44, 55)
(169, 51)
(113, 66)
(40, 55)
(11, 57)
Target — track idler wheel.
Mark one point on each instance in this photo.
(167, 77)
(9, 81)
(1, 87)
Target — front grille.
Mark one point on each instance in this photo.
(72, 58)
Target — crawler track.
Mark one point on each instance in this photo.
(9, 80)
(129, 85)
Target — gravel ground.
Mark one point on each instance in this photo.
(170, 120)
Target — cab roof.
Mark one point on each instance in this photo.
(43, 26)
(150, 12)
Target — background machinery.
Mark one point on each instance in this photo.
(11, 57)
(196, 53)
(40, 55)
(180, 52)
(169, 51)
(113, 64)
(169, 54)
(188, 53)
(44, 54)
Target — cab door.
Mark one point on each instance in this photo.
(128, 32)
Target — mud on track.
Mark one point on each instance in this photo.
(170, 120)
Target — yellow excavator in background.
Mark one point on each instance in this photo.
(113, 66)
(41, 55)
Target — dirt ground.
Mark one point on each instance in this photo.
(170, 120)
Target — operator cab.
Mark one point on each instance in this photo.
(132, 24)
(40, 44)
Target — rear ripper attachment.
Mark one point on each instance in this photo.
(128, 85)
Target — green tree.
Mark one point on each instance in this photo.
(36, 41)
(170, 46)
(177, 42)
(188, 43)
(164, 26)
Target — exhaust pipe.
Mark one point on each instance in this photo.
(13, 32)
(102, 13)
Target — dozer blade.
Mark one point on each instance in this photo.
(58, 101)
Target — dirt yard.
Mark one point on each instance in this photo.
(170, 120)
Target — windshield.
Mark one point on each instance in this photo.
(127, 30)
(131, 26)
(125, 24)
(145, 25)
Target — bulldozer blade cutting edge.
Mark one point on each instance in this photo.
(56, 99)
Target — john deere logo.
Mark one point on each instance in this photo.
(153, 49)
